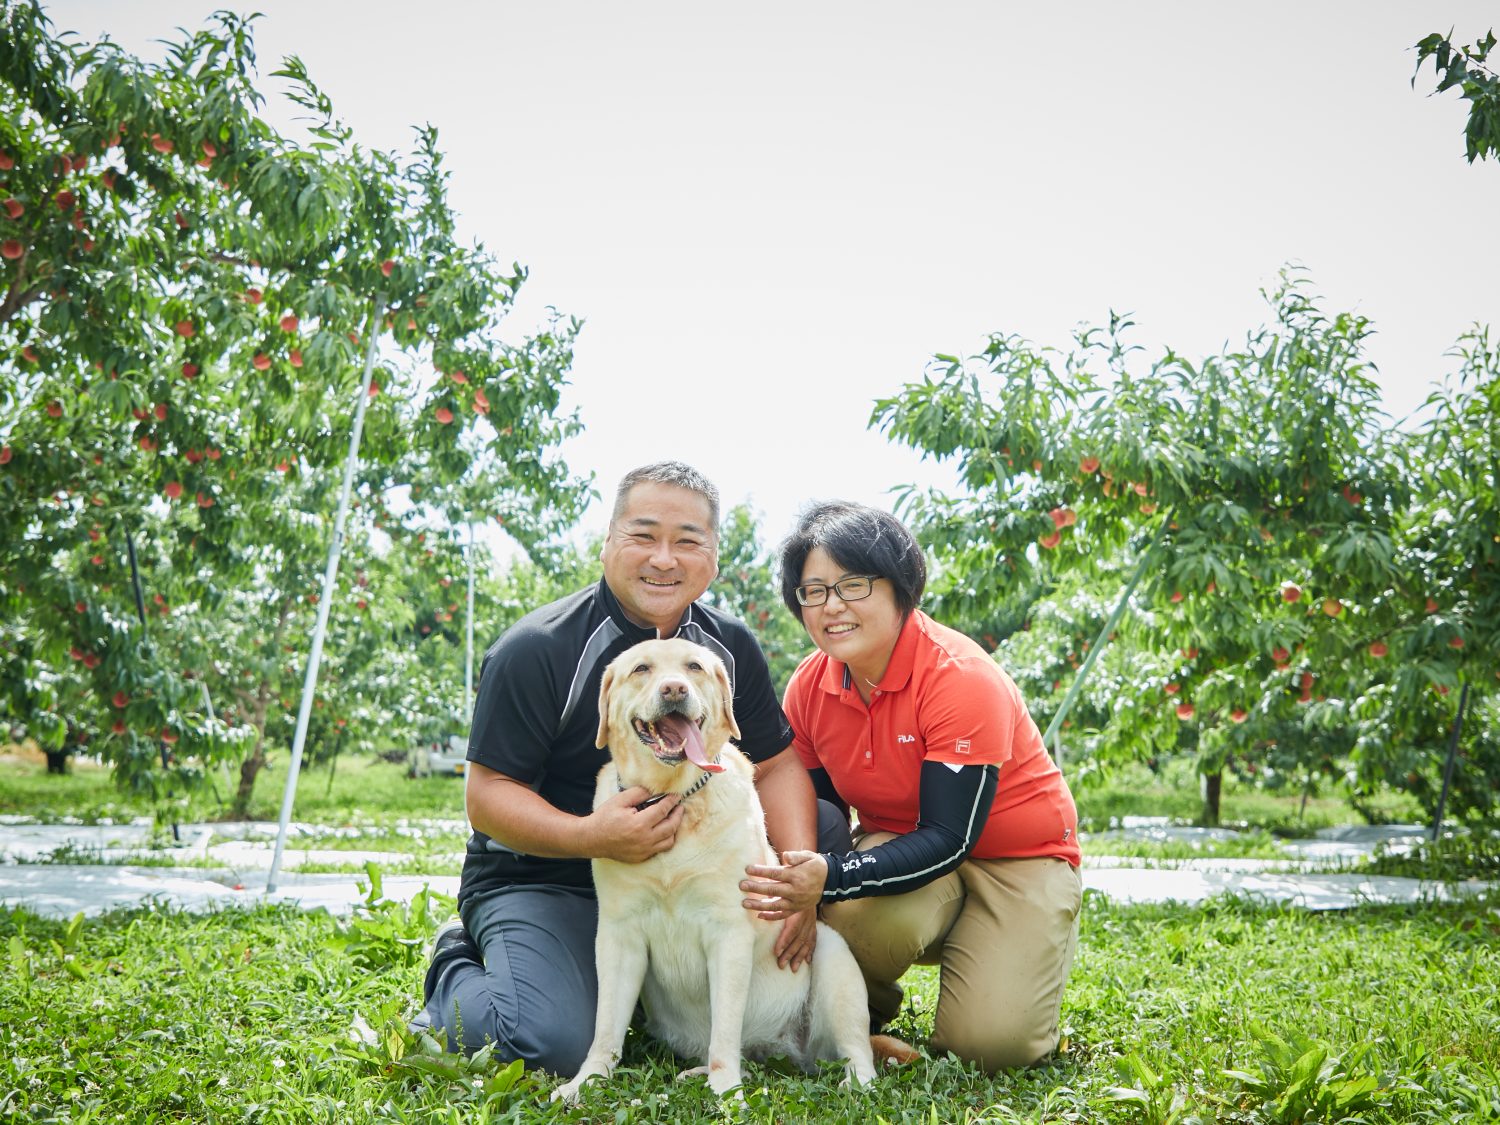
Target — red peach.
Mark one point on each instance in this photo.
(173, 490)
(289, 323)
(443, 415)
(1290, 593)
(1378, 649)
(261, 362)
(11, 249)
(1051, 541)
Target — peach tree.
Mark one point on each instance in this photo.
(186, 299)
(1251, 505)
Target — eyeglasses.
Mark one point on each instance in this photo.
(850, 589)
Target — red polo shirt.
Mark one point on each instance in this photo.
(942, 699)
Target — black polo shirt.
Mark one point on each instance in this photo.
(537, 715)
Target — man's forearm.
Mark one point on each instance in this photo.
(786, 794)
(516, 816)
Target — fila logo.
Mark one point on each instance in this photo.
(961, 746)
(903, 738)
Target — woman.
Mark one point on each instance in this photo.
(966, 853)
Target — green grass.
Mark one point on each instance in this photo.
(364, 791)
(1465, 856)
(1228, 1011)
(252, 1015)
(1250, 844)
(1105, 797)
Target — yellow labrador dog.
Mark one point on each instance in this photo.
(672, 929)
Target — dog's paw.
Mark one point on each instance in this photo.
(568, 1092)
(726, 1083)
(692, 1072)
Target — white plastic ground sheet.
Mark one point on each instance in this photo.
(36, 872)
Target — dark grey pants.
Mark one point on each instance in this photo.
(533, 993)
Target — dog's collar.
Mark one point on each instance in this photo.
(686, 793)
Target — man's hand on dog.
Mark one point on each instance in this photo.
(622, 832)
(789, 893)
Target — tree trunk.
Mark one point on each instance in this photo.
(57, 760)
(249, 768)
(1213, 784)
(252, 765)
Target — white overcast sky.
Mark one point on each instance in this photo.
(771, 214)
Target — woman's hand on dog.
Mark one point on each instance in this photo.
(786, 890)
(620, 831)
(789, 894)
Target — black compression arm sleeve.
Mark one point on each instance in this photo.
(954, 806)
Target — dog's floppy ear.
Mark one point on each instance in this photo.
(727, 693)
(601, 740)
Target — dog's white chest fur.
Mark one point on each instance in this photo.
(684, 906)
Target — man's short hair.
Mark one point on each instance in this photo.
(674, 473)
(863, 539)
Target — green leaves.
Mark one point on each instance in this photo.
(1467, 69)
(1302, 1079)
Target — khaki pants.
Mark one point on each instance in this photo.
(1004, 932)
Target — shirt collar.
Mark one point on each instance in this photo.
(611, 606)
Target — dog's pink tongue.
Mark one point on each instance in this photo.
(675, 728)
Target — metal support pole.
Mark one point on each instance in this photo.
(468, 708)
(1050, 738)
(1458, 723)
(325, 599)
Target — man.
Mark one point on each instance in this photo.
(519, 971)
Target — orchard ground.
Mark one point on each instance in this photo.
(1203, 1007)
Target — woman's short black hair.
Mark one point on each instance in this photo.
(862, 540)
